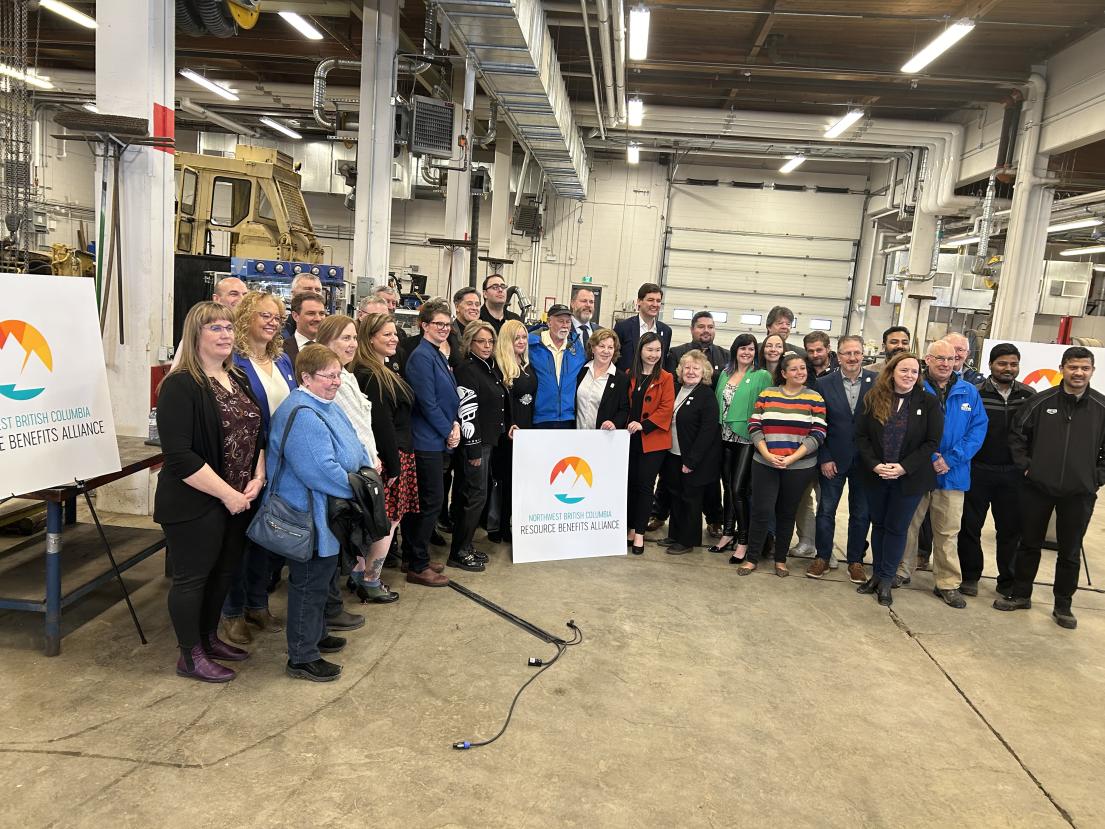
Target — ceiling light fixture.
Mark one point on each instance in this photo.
(635, 112)
(28, 77)
(68, 12)
(1083, 251)
(91, 107)
(302, 26)
(1075, 224)
(844, 123)
(942, 43)
(633, 154)
(276, 125)
(638, 32)
(961, 242)
(793, 164)
(212, 86)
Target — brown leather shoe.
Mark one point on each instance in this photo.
(236, 630)
(428, 578)
(654, 524)
(437, 567)
(856, 573)
(818, 568)
(264, 620)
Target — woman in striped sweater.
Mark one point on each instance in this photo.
(787, 427)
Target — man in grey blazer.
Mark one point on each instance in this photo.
(839, 462)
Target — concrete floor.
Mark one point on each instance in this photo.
(697, 699)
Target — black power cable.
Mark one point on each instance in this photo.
(561, 645)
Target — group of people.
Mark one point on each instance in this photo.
(300, 407)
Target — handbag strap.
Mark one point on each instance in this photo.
(283, 441)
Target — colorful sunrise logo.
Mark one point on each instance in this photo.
(568, 476)
(32, 342)
(1050, 375)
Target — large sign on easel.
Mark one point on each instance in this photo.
(55, 411)
(1040, 363)
(569, 494)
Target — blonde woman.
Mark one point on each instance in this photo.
(512, 360)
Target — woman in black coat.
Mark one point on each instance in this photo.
(896, 434)
(694, 460)
(212, 438)
(512, 360)
(602, 392)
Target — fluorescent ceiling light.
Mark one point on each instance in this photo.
(635, 112)
(1083, 251)
(91, 107)
(638, 33)
(302, 26)
(943, 42)
(794, 163)
(276, 125)
(843, 124)
(961, 242)
(28, 77)
(633, 154)
(200, 80)
(68, 12)
(1075, 224)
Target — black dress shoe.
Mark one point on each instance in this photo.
(331, 644)
(637, 551)
(318, 671)
(886, 597)
(465, 561)
(437, 540)
(495, 538)
(869, 586)
(666, 542)
(481, 557)
(444, 525)
(731, 544)
(677, 549)
(969, 588)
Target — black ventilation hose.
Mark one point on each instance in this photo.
(188, 21)
(216, 17)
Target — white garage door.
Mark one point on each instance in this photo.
(739, 251)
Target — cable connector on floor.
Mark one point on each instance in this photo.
(535, 662)
(462, 745)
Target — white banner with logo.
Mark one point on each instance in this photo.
(1040, 364)
(569, 494)
(55, 411)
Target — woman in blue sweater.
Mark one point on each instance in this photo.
(320, 451)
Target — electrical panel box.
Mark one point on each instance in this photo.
(1065, 288)
(431, 127)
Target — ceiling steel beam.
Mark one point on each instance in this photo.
(763, 30)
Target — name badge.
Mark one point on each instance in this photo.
(965, 407)
(1051, 411)
(918, 413)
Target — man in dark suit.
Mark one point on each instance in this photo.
(838, 457)
(303, 283)
(307, 314)
(649, 299)
(582, 306)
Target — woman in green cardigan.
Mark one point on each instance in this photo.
(737, 389)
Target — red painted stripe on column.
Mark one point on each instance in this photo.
(164, 125)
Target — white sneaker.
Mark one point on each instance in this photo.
(803, 549)
(834, 562)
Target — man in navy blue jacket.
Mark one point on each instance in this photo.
(556, 355)
(649, 299)
(839, 461)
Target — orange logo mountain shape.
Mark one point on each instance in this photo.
(33, 343)
(581, 469)
(1052, 377)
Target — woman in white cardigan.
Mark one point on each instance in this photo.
(339, 334)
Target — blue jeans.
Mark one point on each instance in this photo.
(858, 519)
(249, 589)
(308, 584)
(891, 512)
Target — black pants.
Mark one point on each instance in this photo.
(662, 501)
(469, 499)
(204, 554)
(685, 526)
(776, 493)
(450, 484)
(502, 470)
(736, 481)
(1072, 516)
(419, 526)
(999, 493)
(643, 469)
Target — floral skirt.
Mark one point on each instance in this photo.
(401, 496)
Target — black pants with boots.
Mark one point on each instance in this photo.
(1072, 516)
(996, 491)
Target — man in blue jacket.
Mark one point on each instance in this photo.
(556, 355)
(839, 461)
(965, 425)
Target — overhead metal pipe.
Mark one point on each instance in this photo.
(318, 90)
(618, 31)
(607, 58)
(189, 106)
(594, 74)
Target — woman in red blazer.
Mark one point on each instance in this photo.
(651, 402)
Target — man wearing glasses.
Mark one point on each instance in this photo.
(494, 309)
(965, 424)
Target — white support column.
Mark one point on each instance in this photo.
(917, 295)
(135, 76)
(375, 140)
(501, 200)
(458, 197)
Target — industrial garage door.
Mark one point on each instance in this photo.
(738, 250)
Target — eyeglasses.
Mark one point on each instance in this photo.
(333, 378)
(440, 326)
(220, 329)
(942, 359)
(267, 316)
(500, 286)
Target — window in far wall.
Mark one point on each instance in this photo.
(820, 324)
(751, 319)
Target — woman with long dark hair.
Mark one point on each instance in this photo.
(787, 427)
(771, 349)
(651, 402)
(737, 389)
(896, 434)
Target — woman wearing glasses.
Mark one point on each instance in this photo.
(212, 437)
(259, 355)
(315, 459)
